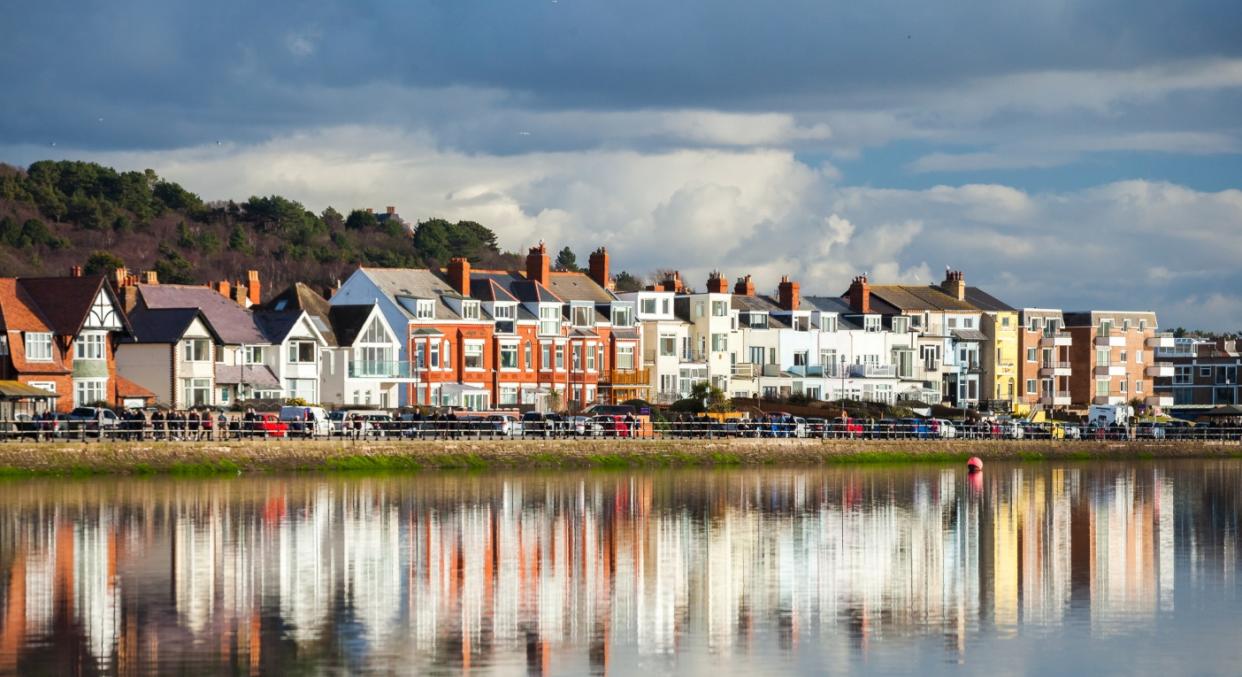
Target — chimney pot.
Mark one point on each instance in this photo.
(860, 295)
(598, 268)
(788, 293)
(717, 283)
(744, 287)
(459, 275)
(539, 264)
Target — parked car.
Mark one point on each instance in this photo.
(270, 425)
(504, 425)
(307, 421)
(92, 418)
(583, 426)
(942, 428)
(539, 424)
(1149, 430)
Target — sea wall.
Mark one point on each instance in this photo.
(336, 455)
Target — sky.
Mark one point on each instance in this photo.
(1061, 153)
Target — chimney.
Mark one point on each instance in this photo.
(860, 295)
(370, 211)
(673, 283)
(255, 288)
(392, 211)
(150, 277)
(539, 264)
(129, 298)
(75, 271)
(223, 287)
(459, 275)
(954, 284)
(119, 277)
(744, 287)
(239, 294)
(599, 268)
(717, 283)
(787, 290)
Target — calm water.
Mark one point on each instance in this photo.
(1037, 568)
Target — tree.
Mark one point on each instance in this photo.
(173, 268)
(361, 219)
(103, 263)
(567, 261)
(626, 282)
(238, 241)
(332, 219)
(712, 397)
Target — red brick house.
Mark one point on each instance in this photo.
(60, 334)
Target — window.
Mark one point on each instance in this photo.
(720, 308)
(549, 320)
(720, 343)
(1205, 372)
(698, 310)
(89, 346)
(1138, 357)
(89, 391)
(4, 345)
(952, 323)
(420, 356)
(871, 323)
(828, 323)
(560, 357)
(757, 320)
(1138, 386)
(375, 333)
(38, 346)
(504, 311)
(1036, 324)
(625, 357)
(968, 322)
(668, 346)
(590, 358)
(799, 358)
(1102, 357)
(425, 310)
(447, 359)
(470, 310)
(1101, 387)
(648, 306)
(666, 306)
(901, 324)
(508, 394)
(433, 354)
(49, 386)
(474, 355)
(195, 392)
(1125, 325)
(301, 352)
(583, 316)
(527, 364)
(1142, 325)
(1124, 355)
(252, 355)
(1030, 385)
(224, 395)
(508, 356)
(302, 388)
(196, 350)
(1004, 320)
(668, 383)
(1183, 375)
(622, 316)
(577, 357)
(1124, 386)
(545, 356)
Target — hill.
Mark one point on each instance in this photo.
(58, 214)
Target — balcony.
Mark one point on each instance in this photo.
(1054, 369)
(873, 371)
(1159, 370)
(1161, 340)
(629, 377)
(1109, 370)
(745, 370)
(1060, 398)
(1057, 340)
(1158, 400)
(1108, 399)
(1110, 340)
(381, 370)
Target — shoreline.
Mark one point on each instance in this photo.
(239, 457)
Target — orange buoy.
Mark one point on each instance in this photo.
(974, 464)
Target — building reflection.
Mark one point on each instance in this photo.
(563, 574)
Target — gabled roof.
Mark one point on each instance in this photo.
(518, 287)
(347, 322)
(985, 301)
(414, 283)
(578, 287)
(488, 289)
(300, 296)
(911, 297)
(66, 301)
(165, 325)
(18, 312)
(127, 389)
(233, 324)
(276, 325)
(746, 303)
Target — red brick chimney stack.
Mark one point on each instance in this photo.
(224, 288)
(860, 295)
(787, 291)
(744, 287)
(75, 271)
(539, 264)
(459, 275)
(599, 268)
(253, 287)
(150, 277)
(717, 283)
(392, 211)
(954, 284)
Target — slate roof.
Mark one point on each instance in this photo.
(347, 322)
(415, 283)
(253, 374)
(165, 325)
(488, 289)
(985, 301)
(518, 287)
(276, 324)
(911, 297)
(233, 324)
(578, 287)
(827, 304)
(66, 301)
(968, 335)
(755, 304)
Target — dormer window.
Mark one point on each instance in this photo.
(828, 323)
(901, 325)
(800, 323)
(425, 309)
(583, 316)
(758, 320)
(871, 323)
(622, 316)
(549, 320)
(38, 346)
(649, 306)
(504, 311)
(470, 310)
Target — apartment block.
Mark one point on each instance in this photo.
(1112, 358)
(1044, 355)
(1204, 373)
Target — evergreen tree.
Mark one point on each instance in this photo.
(567, 261)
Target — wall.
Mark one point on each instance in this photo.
(149, 365)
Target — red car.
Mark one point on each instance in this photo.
(270, 425)
(612, 425)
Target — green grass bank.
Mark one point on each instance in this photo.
(188, 458)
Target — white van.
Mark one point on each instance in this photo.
(1103, 415)
(306, 421)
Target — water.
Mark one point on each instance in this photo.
(1036, 568)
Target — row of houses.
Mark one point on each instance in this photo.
(543, 338)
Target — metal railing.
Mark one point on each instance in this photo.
(369, 369)
(586, 427)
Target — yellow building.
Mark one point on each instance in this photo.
(999, 354)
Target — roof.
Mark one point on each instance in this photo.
(578, 286)
(1086, 318)
(985, 301)
(754, 304)
(414, 283)
(911, 297)
(66, 301)
(347, 322)
(968, 335)
(164, 325)
(18, 311)
(16, 390)
(518, 287)
(254, 374)
(233, 324)
(488, 289)
(827, 304)
(276, 324)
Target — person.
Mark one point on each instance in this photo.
(222, 426)
(248, 422)
(192, 422)
(630, 423)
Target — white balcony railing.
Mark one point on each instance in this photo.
(873, 370)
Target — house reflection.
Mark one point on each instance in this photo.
(566, 573)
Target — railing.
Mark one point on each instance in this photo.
(872, 370)
(565, 427)
(369, 369)
(619, 377)
(1055, 398)
(745, 370)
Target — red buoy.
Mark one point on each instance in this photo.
(975, 464)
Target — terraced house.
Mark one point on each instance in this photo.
(59, 334)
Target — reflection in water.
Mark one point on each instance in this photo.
(602, 571)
